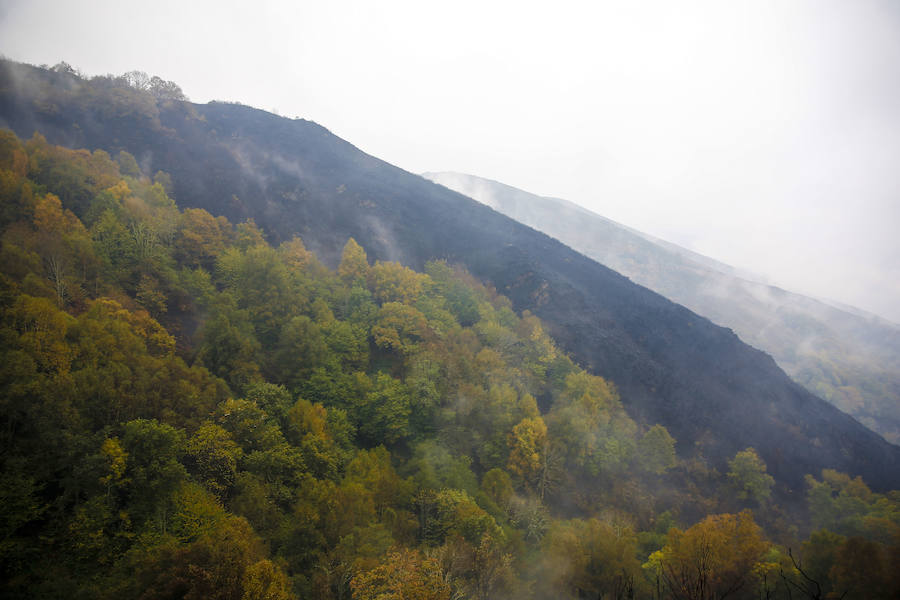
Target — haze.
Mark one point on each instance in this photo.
(763, 134)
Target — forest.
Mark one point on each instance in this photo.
(296, 179)
(190, 412)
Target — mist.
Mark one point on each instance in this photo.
(850, 358)
(758, 133)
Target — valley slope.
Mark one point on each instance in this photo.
(852, 359)
(671, 366)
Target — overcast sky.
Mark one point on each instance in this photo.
(765, 134)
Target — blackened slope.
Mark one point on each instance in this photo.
(672, 366)
(846, 357)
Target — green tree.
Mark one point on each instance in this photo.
(249, 425)
(275, 400)
(212, 456)
(229, 347)
(656, 450)
(153, 468)
(460, 298)
(600, 436)
(839, 503)
(347, 342)
(434, 466)
(261, 284)
(127, 164)
(747, 474)
(497, 485)
(383, 417)
(448, 513)
(221, 565)
(307, 428)
(301, 349)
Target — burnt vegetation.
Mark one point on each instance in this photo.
(242, 359)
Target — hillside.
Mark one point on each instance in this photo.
(367, 432)
(850, 358)
(713, 392)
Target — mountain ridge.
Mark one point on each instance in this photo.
(293, 177)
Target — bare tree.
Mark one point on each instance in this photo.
(809, 587)
(55, 265)
(623, 589)
(550, 470)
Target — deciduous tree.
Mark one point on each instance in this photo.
(712, 560)
(747, 475)
(405, 575)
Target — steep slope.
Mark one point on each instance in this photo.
(293, 176)
(851, 359)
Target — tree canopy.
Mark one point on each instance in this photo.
(187, 411)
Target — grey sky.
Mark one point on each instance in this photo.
(765, 134)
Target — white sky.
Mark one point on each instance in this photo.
(765, 134)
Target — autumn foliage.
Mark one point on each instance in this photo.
(188, 412)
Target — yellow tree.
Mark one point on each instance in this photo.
(527, 441)
(64, 245)
(714, 559)
(42, 330)
(400, 328)
(201, 238)
(295, 254)
(263, 580)
(249, 235)
(354, 263)
(392, 282)
(405, 575)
